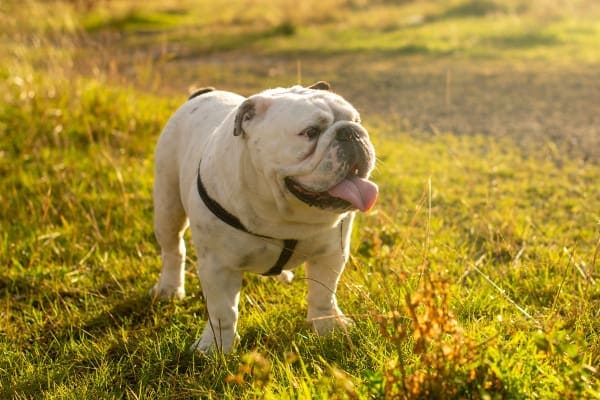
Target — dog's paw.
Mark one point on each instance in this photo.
(211, 342)
(203, 346)
(324, 324)
(285, 276)
(160, 292)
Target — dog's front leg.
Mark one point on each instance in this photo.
(221, 289)
(322, 280)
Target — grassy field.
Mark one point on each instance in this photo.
(476, 275)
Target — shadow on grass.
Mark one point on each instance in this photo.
(524, 40)
(228, 42)
(138, 21)
(471, 8)
(77, 354)
(134, 312)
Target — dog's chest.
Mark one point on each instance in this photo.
(260, 254)
(246, 252)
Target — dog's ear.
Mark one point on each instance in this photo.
(247, 111)
(321, 85)
(201, 91)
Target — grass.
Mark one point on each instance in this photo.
(544, 30)
(476, 276)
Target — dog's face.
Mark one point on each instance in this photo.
(310, 144)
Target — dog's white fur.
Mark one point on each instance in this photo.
(245, 174)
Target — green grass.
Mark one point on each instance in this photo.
(535, 30)
(476, 275)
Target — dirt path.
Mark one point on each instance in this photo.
(537, 103)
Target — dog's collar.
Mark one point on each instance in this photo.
(288, 244)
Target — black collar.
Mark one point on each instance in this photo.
(288, 244)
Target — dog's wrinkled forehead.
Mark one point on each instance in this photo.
(336, 104)
(293, 107)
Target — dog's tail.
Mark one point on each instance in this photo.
(201, 91)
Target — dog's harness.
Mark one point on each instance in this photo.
(288, 244)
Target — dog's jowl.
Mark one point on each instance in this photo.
(265, 183)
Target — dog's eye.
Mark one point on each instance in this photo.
(311, 132)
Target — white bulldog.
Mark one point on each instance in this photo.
(265, 183)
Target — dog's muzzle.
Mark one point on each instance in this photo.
(350, 187)
(354, 148)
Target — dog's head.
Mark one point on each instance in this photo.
(311, 143)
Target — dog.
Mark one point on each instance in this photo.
(265, 183)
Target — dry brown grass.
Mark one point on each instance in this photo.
(449, 364)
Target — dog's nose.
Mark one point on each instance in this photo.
(347, 134)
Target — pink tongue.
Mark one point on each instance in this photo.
(361, 193)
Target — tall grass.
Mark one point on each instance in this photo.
(547, 30)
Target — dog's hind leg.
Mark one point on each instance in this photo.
(170, 222)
